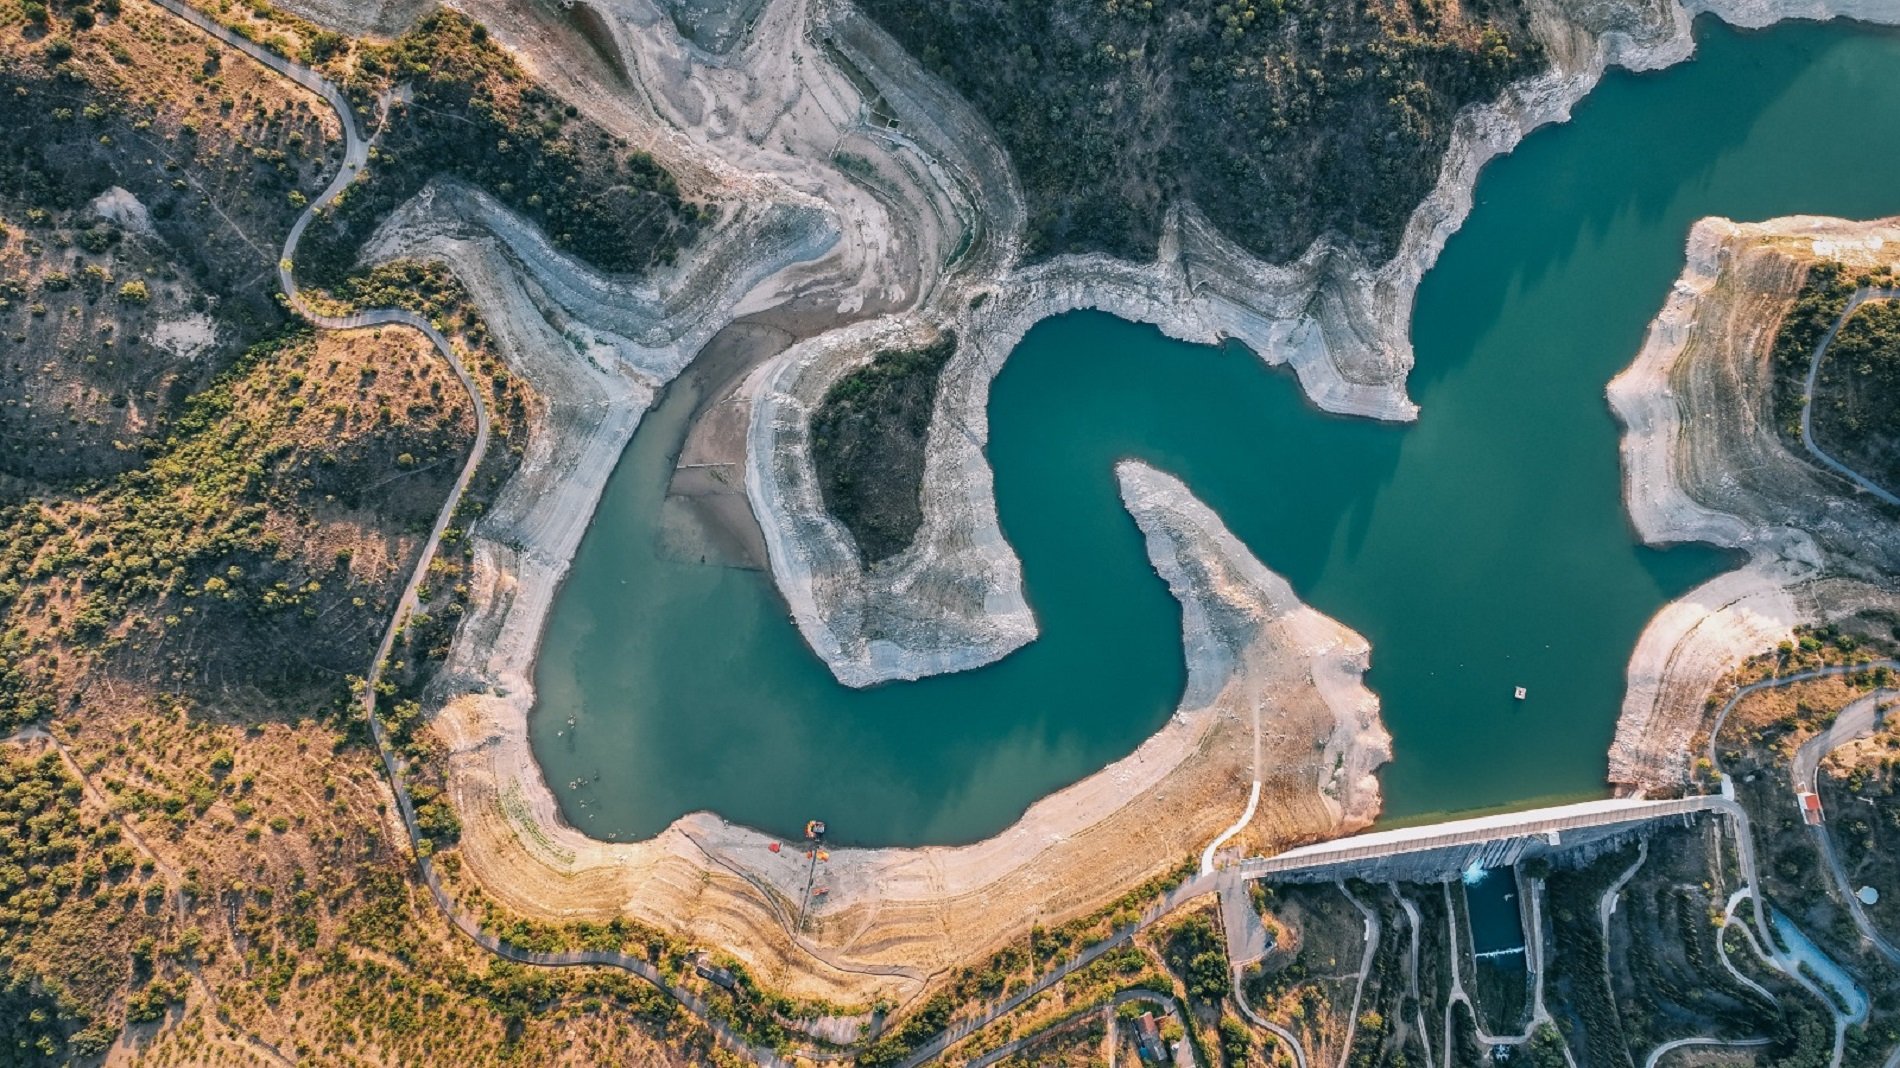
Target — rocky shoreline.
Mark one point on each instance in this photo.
(1702, 462)
(923, 240)
(1275, 696)
(1340, 324)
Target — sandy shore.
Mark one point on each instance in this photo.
(1274, 695)
(926, 239)
(1702, 462)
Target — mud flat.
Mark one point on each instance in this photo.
(1702, 462)
(1274, 696)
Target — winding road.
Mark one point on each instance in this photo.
(1853, 722)
(1861, 296)
(355, 157)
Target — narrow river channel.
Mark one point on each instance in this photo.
(1483, 548)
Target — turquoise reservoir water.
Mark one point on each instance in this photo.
(1482, 548)
(1497, 924)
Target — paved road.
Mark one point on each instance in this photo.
(1416, 924)
(1292, 1041)
(1745, 839)
(1861, 296)
(1374, 931)
(356, 154)
(1527, 824)
(1853, 722)
(1011, 1048)
(1195, 887)
(1666, 1048)
(1606, 905)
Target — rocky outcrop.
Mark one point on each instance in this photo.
(1702, 461)
(1247, 636)
(1340, 323)
(1275, 697)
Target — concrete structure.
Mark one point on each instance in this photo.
(1443, 850)
(1148, 1039)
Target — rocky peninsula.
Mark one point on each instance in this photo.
(881, 233)
(1703, 461)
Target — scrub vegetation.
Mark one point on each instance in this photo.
(256, 547)
(205, 515)
(1664, 968)
(1756, 746)
(1307, 980)
(1854, 416)
(1282, 120)
(54, 854)
(1136, 965)
(1577, 984)
(467, 111)
(868, 439)
(1824, 293)
(146, 184)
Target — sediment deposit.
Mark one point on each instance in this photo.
(1274, 696)
(1702, 462)
(921, 232)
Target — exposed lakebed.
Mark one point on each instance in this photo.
(1483, 548)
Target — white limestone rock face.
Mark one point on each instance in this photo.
(1258, 652)
(1340, 323)
(118, 205)
(1702, 461)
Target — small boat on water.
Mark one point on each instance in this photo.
(815, 830)
(1520, 693)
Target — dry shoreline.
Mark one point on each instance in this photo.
(1274, 695)
(1702, 462)
(929, 240)
(954, 600)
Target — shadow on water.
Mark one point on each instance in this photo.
(1602, 175)
(1482, 548)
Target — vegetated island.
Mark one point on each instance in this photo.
(567, 350)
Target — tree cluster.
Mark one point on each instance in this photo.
(475, 116)
(1282, 120)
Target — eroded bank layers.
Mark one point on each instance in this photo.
(915, 227)
(1712, 452)
(1274, 696)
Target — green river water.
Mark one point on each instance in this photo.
(1482, 548)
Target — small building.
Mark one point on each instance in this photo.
(1810, 807)
(713, 973)
(1148, 1040)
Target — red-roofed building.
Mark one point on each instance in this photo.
(1810, 807)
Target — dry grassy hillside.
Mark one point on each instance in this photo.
(206, 513)
(146, 186)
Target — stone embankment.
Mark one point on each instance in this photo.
(1704, 461)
